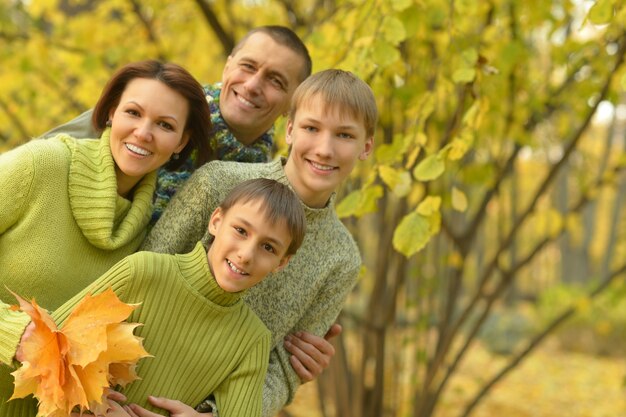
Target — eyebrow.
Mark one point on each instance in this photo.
(273, 240)
(165, 116)
(318, 121)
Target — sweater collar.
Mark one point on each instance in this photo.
(195, 268)
(107, 220)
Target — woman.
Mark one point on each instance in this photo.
(70, 209)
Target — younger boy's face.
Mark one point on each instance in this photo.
(247, 246)
(325, 145)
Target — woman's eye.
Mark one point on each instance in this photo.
(132, 112)
(166, 126)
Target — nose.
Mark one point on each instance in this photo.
(245, 252)
(143, 130)
(324, 145)
(253, 83)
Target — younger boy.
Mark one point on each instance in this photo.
(331, 127)
(204, 339)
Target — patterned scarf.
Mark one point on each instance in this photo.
(225, 145)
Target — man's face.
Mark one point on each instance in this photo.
(258, 82)
(325, 145)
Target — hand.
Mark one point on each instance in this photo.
(19, 354)
(175, 408)
(311, 354)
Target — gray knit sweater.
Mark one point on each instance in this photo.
(306, 295)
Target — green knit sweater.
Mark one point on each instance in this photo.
(306, 295)
(62, 224)
(203, 339)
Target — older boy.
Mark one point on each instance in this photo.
(204, 339)
(331, 126)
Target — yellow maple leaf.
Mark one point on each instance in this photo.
(73, 367)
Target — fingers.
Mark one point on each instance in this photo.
(310, 354)
(140, 411)
(115, 396)
(335, 330)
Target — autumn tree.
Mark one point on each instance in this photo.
(488, 170)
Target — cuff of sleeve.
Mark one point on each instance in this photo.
(208, 406)
(12, 325)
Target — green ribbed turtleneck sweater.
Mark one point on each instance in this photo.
(306, 295)
(203, 339)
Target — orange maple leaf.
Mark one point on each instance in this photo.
(72, 367)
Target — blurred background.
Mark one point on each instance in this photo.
(491, 218)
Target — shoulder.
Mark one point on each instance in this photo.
(217, 176)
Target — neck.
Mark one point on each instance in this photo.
(124, 183)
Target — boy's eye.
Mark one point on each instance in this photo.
(345, 135)
(269, 248)
(240, 230)
(310, 129)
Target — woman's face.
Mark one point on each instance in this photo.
(148, 126)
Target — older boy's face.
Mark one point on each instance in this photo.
(325, 145)
(247, 246)
(258, 82)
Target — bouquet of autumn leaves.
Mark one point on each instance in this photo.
(71, 367)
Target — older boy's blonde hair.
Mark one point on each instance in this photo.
(341, 91)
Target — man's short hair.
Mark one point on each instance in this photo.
(341, 91)
(286, 37)
(279, 203)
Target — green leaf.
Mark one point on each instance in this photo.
(464, 75)
(601, 12)
(384, 54)
(360, 202)
(398, 181)
(393, 30)
(429, 169)
(459, 200)
(412, 234)
(400, 5)
(429, 206)
(348, 206)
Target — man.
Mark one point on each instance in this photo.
(258, 80)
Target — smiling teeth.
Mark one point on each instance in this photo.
(322, 167)
(137, 149)
(245, 102)
(235, 269)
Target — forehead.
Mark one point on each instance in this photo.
(263, 49)
(318, 106)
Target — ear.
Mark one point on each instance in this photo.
(283, 263)
(215, 221)
(288, 132)
(184, 140)
(225, 70)
(367, 148)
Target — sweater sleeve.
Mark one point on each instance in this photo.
(282, 382)
(79, 127)
(240, 393)
(186, 218)
(12, 325)
(17, 173)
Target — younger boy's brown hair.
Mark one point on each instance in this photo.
(279, 203)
